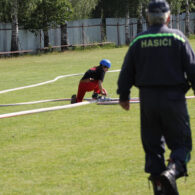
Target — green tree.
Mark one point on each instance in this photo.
(14, 11)
(176, 6)
(109, 9)
(125, 8)
(83, 8)
(183, 6)
(48, 13)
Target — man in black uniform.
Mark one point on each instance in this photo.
(161, 63)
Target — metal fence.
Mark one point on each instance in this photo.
(83, 32)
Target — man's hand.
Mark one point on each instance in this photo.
(125, 105)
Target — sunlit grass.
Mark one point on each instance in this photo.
(91, 149)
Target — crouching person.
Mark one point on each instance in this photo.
(92, 81)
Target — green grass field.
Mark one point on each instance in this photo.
(91, 149)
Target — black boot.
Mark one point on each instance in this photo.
(96, 96)
(156, 183)
(73, 99)
(169, 183)
(168, 177)
(179, 168)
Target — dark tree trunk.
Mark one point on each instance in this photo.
(64, 37)
(127, 39)
(140, 19)
(14, 39)
(187, 19)
(103, 24)
(46, 38)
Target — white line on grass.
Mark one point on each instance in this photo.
(39, 84)
(46, 82)
(20, 113)
(55, 100)
(34, 102)
(116, 102)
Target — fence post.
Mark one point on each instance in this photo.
(83, 35)
(40, 39)
(131, 30)
(177, 21)
(194, 25)
(118, 34)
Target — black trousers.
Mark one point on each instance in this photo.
(164, 119)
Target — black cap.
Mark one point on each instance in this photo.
(158, 6)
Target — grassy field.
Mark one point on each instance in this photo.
(92, 149)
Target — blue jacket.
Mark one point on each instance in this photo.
(158, 57)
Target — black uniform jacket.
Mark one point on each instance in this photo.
(157, 57)
(96, 73)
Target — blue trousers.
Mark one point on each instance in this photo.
(164, 119)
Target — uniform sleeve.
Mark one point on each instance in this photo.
(189, 63)
(126, 76)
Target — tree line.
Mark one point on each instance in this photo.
(35, 15)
